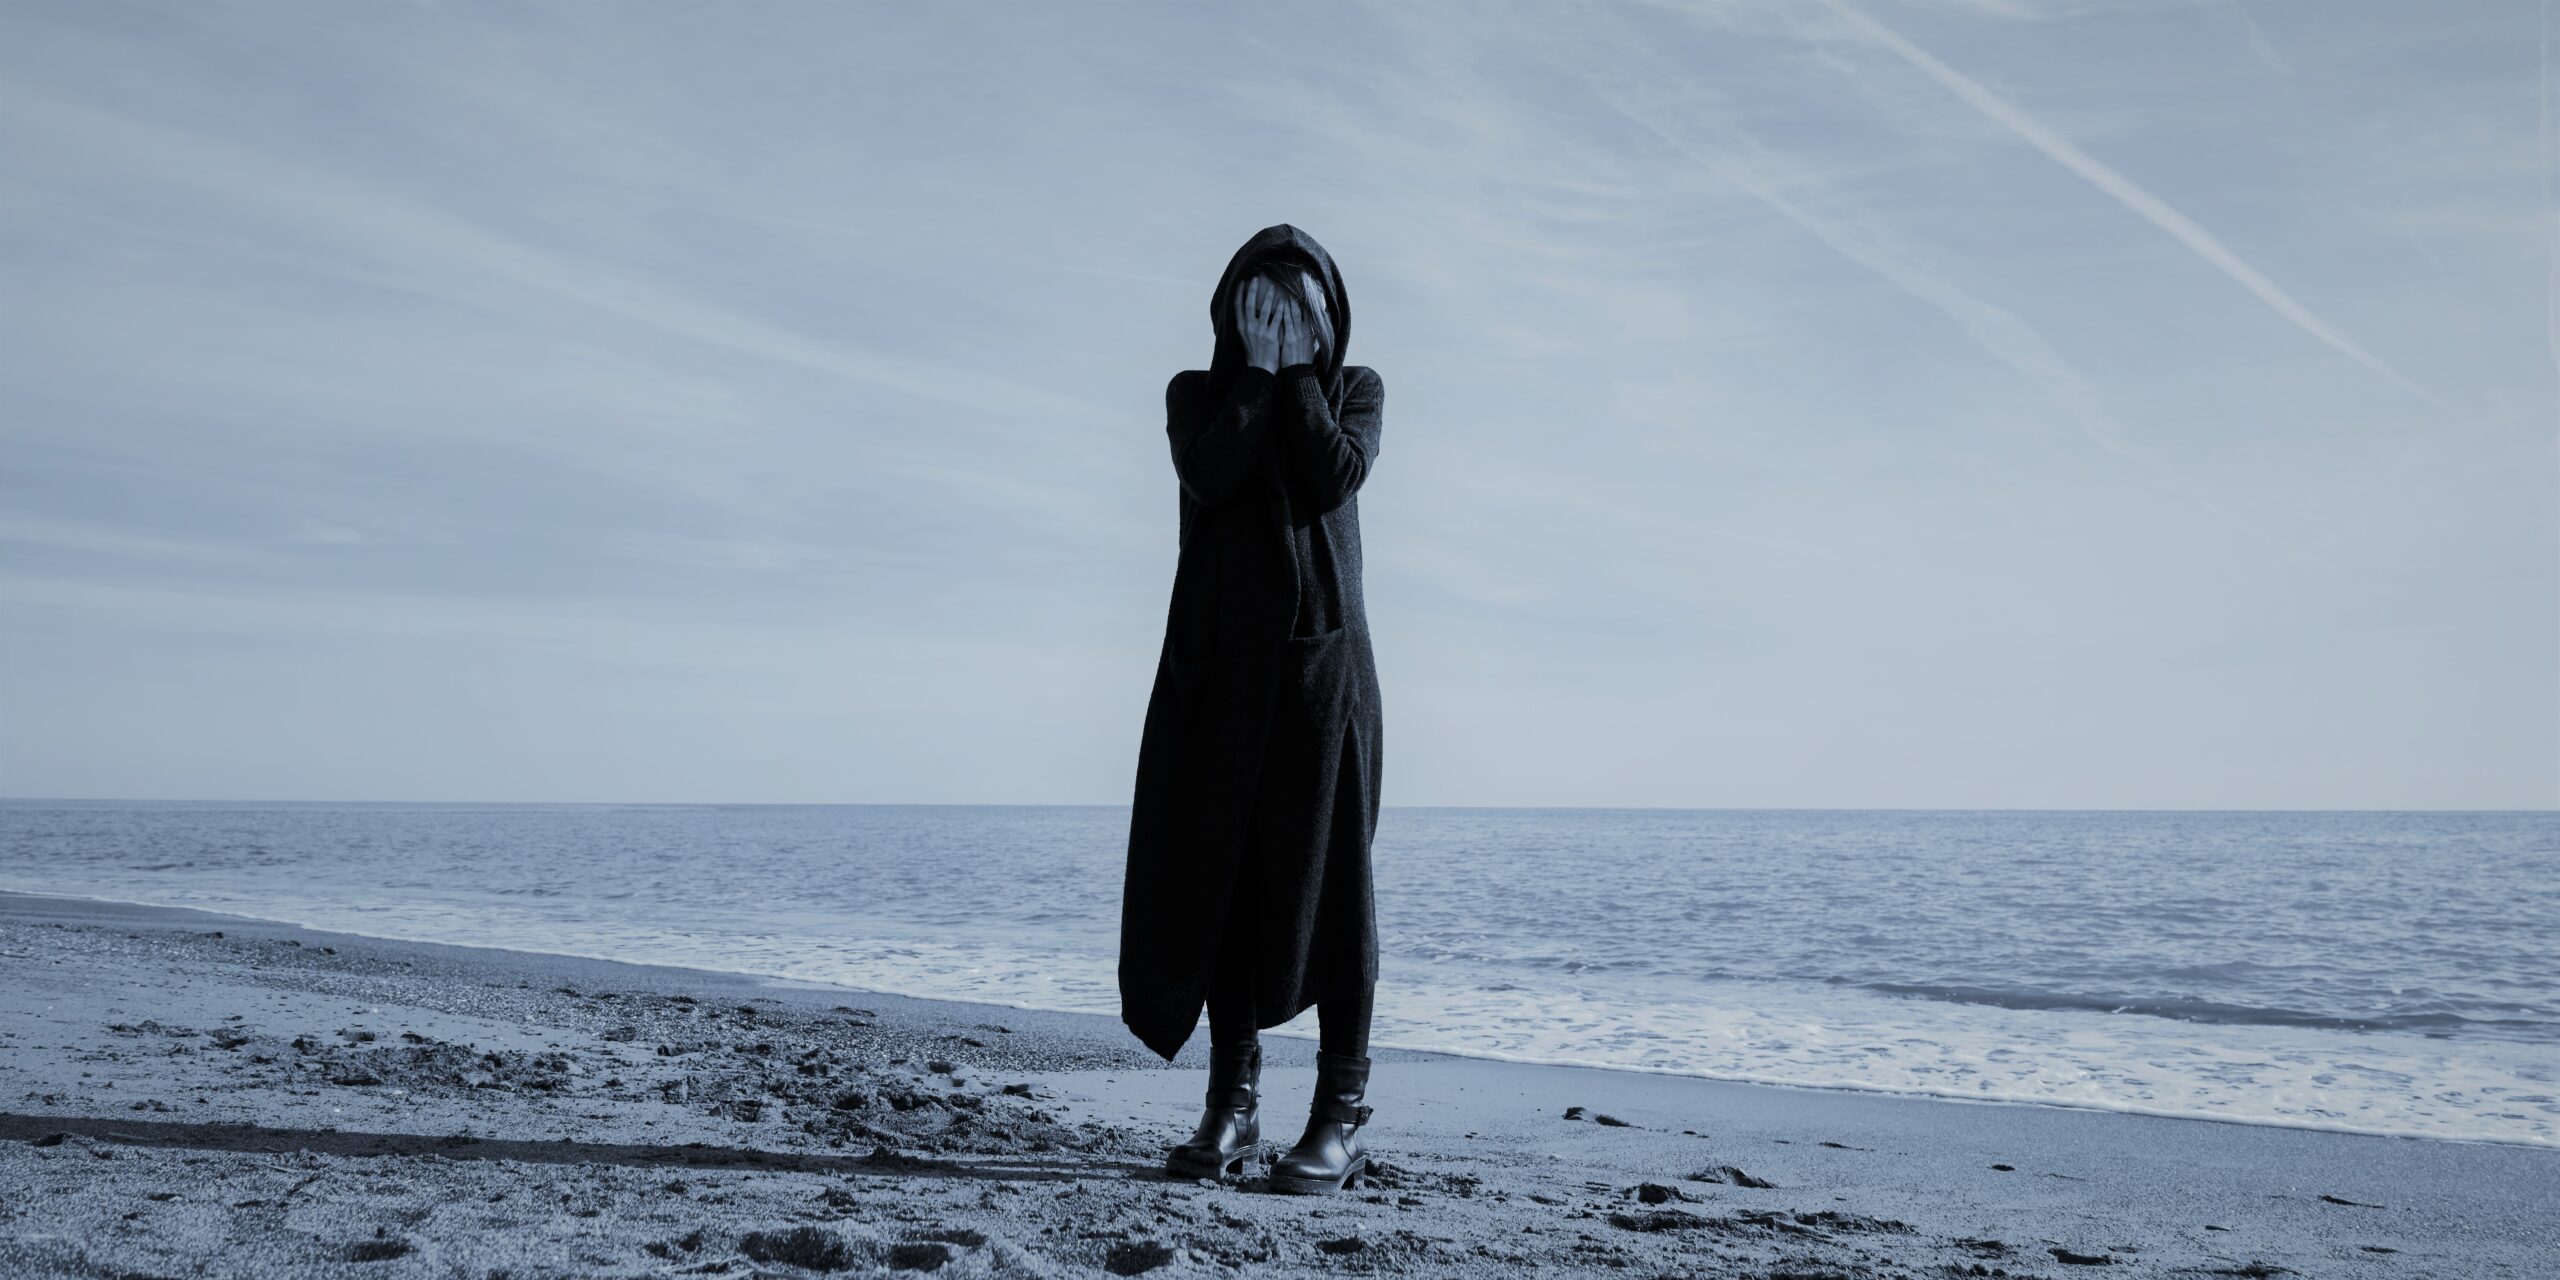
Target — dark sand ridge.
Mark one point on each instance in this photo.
(284, 1101)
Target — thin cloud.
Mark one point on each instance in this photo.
(453, 249)
(128, 544)
(2257, 35)
(1750, 168)
(839, 229)
(2157, 211)
(2550, 207)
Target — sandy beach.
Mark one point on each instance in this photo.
(194, 1094)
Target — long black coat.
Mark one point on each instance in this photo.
(1259, 766)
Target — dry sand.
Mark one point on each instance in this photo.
(187, 1094)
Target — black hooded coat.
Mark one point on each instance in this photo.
(1258, 769)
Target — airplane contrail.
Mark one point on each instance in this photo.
(1999, 332)
(2158, 212)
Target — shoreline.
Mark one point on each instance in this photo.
(180, 1083)
(1110, 1025)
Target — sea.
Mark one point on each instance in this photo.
(2389, 973)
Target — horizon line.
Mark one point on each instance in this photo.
(1043, 804)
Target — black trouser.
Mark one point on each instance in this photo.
(1342, 1022)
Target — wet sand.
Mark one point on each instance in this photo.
(191, 1094)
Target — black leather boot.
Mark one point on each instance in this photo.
(1329, 1155)
(1231, 1126)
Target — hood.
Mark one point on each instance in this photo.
(1286, 243)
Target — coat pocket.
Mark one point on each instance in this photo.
(1316, 676)
(1315, 700)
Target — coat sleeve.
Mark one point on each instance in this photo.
(1214, 445)
(1329, 457)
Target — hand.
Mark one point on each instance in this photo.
(1263, 319)
(1312, 330)
(1297, 343)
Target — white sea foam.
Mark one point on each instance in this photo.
(2301, 1028)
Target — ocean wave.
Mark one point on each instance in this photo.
(1974, 955)
(2190, 1010)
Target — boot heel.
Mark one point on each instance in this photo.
(1321, 1186)
(1231, 1125)
(1330, 1155)
(1187, 1164)
(1195, 1160)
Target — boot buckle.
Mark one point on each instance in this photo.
(1354, 1114)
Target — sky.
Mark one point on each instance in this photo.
(1835, 403)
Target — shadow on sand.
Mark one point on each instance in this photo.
(881, 1161)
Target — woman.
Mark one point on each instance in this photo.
(1248, 887)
